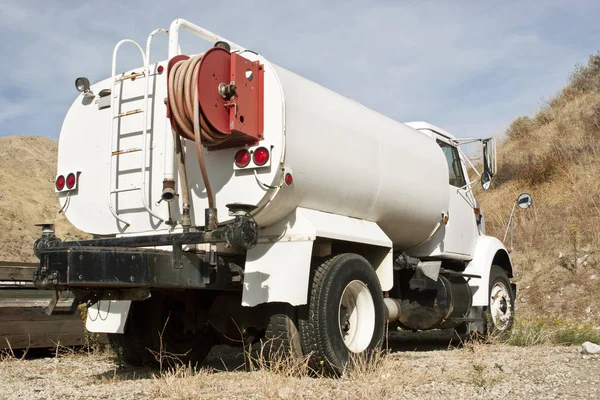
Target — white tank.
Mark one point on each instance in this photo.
(344, 159)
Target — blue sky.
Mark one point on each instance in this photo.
(469, 67)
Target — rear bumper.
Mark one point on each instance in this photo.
(109, 268)
(124, 263)
(95, 268)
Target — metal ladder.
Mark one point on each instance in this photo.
(116, 116)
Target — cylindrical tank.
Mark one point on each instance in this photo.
(350, 160)
(345, 159)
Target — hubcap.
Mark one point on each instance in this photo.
(500, 306)
(356, 316)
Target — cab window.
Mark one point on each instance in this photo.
(454, 165)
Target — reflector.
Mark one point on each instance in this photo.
(288, 179)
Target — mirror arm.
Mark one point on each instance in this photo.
(469, 186)
(458, 142)
(468, 161)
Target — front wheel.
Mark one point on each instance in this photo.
(500, 315)
(344, 319)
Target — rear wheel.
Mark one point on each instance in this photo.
(344, 319)
(158, 329)
(282, 336)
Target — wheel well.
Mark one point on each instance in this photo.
(502, 259)
(375, 255)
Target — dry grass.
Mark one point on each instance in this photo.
(543, 330)
(554, 157)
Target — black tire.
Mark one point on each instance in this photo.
(282, 336)
(323, 323)
(147, 321)
(503, 301)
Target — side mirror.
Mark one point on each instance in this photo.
(486, 180)
(524, 200)
(489, 156)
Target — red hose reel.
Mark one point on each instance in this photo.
(230, 91)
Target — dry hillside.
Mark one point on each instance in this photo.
(27, 171)
(554, 157)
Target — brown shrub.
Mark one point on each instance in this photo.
(554, 157)
(519, 128)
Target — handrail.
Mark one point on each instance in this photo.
(112, 125)
(145, 129)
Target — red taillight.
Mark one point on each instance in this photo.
(242, 158)
(288, 179)
(71, 181)
(160, 69)
(60, 183)
(261, 156)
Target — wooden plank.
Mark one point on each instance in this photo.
(57, 326)
(19, 264)
(17, 271)
(41, 340)
(25, 295)
(32, 314)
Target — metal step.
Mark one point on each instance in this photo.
(131, 189)
(126, 113)
(130, 76)
(131, 150)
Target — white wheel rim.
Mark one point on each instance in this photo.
(356, 316)
(500, 306)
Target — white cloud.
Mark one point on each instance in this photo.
(469, 67)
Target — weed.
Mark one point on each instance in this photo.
(553, 330)
(92, 339)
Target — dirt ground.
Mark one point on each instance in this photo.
(420, 367)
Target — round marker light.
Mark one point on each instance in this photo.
(71, 181)
(261, 156)
(242, 158)
(289, 179)
(60, 183)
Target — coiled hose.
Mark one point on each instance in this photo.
(185, 111)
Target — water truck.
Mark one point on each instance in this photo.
(233, 201)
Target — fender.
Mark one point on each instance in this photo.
(278, 268)
(488, 251)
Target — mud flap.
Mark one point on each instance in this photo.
(108, 316)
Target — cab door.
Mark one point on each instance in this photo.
(461, 229)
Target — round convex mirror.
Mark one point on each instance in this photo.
(486, 180)
(524, 200)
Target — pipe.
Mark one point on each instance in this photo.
(392, 309)
(242, 232)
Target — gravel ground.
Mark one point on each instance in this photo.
(416, 368)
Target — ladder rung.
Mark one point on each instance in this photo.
(131, 150)
(130, 76)
(131, 189)
(124, 114)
